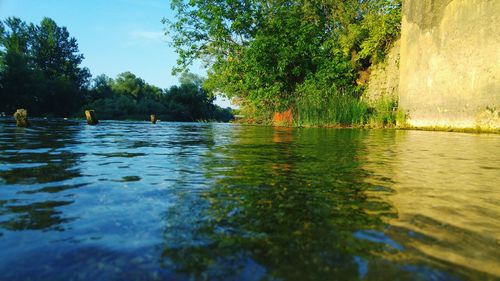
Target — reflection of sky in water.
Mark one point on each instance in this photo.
(214, 201)
(377, 237)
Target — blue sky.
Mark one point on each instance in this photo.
(114, 35)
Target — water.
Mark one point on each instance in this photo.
(172, 201)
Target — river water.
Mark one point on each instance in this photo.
(189, 201)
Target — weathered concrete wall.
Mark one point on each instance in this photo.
(450, 63)
(384, 78)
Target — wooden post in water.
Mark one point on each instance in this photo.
(21, 116)
(91, 118)
(153, 119)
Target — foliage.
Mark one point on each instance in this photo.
(40, 71)
(40, 68)
(130, 97)
(101, 88)
(384, 113)
(332, 110)
(271, 54)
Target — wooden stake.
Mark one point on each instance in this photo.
(21, 116)
(153, 119)
(91, 118)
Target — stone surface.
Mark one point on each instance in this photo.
(450, 63)
(384, 78)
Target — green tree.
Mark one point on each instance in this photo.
(41, 68)
(130, 97)
(130, 85)
(102, 87)
(16, 75)
(267, 52)
(190, 101)
(56, 55)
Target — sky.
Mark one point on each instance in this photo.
(114, 35)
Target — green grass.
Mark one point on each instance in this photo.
(386, 113)
(335, 110)
(348, 111)
(383, 114)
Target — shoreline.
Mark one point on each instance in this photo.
(403, 128)
(395, 127)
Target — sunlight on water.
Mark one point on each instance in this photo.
(225, 202)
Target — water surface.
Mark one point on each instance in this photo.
(173, 201)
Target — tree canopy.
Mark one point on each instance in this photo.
(130, 97)
(271, 54)
(40, 70)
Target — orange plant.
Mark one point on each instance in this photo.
(284, 118)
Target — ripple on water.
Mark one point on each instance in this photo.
(227, 202)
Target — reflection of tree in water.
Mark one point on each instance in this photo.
(284, 204)
(41, 215)
(34, 158)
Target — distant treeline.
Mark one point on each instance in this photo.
(40, 70)
(129, 97)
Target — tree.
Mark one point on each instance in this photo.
(56, 55)
(130, 97)
(41, 68)
(101, 87)
(130, 85)
(189, 100)
(264, 52)
(16, 77)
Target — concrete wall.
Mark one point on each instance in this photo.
(384, 78)
(450, 63)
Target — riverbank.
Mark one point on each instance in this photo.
(374, 126)
(455, 130)
(255, 123)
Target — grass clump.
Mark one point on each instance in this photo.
(385, 113)
(344, 110)
(334, 110)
